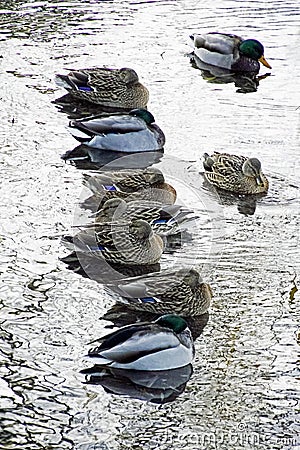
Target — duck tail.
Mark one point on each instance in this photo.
(65, 82)
(79, 132)
(208, 162)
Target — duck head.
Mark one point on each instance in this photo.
(141, 229)
(129, 75)
(254, 50)
(172, 321)
(252, 168)
(143, 114)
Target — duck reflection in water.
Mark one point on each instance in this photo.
(245, 82)
(152, 386)
(88, 158)
(90, 266)
(246, 204)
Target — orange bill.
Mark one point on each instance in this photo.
(264, 62)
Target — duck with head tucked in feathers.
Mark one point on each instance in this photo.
(161, 345)
(229, 51)
(127, 133)
(235, 173)
(164, 219)
(181, 292)
(119, 243)
(113, 88)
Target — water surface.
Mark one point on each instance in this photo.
(244, 390)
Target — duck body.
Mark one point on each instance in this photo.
(126, 180)
(229, 51)
(161, 345)
(164, 219)
(235, 173)
(148, 184)
(127, 133)
(112, 88)
(179, 292)
(120, 243)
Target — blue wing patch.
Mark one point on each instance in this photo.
(85, 88)
(159, 221)
(109, 187)
(147, 300)
(164, 221)
(97, 248)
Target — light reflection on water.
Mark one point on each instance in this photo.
(244, 387)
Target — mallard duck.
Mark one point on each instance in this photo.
(229, 51)
(164, 219)
(126, 180)
(113, 88)
(148, 184)
(181, 292)
(127, 133)
(235, 173)
(120, 243)
(161, 345)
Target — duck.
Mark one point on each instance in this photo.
(112, 88)
(229, 51)
(131, 184)
(135, 131)
(164, 219)
(120, 243)
(163, 344)
(235, 173)
(126, 180)
(181, 292)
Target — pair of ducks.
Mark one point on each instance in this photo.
(166, 343)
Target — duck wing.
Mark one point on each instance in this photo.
(135, 341)
(155, 212)
(130, 142)
(108, 238)
(89, 79)
(125, 180)
(217, 42)
(226, 164)
(154, 287)
(111, 124)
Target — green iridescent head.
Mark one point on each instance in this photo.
(175, 323)
(254, 50)
(143, 114)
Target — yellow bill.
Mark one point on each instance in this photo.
(264, 62)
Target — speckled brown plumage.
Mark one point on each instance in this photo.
(119, 88)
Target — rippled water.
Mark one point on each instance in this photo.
(244, 390)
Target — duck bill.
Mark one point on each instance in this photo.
(264, 62)
(259, 180)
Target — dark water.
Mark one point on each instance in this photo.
(244, 390)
